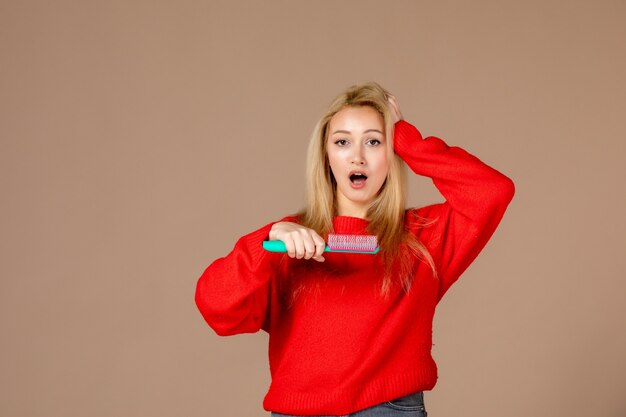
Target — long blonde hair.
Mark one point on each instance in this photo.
(386, 214)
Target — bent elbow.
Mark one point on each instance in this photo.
(503, 192)
(501, 195)
(225, 318)
(508, 190)
(225, 328)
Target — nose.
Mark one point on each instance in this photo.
(357, 156)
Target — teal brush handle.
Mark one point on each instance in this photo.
(274, 246)
(279, 246)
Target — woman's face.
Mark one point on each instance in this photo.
(357, 152)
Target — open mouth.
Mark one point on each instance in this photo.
(358, 178)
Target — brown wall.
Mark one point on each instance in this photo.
(140, 139)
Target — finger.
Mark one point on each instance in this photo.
(320, 245)
(290, 246)
(309, 246)
(319, 258)
(394, 105)
(397, 109)
(394, 102)
(299, 246)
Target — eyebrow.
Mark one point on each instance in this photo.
(348, 132)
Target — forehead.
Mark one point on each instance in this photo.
(356, 119)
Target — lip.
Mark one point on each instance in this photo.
(356, 172)
(359, 185)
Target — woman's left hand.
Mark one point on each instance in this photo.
(394, 109)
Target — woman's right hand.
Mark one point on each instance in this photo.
(394, 109)
(301, 242)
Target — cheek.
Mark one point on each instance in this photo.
(336, 158)
(381, 163)
(333, 162)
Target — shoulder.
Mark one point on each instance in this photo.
(428, 224)
(293, 218)
(427, 221)
(425, 216)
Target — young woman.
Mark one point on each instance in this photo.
(351, 334)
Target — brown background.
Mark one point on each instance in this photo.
(140, 139)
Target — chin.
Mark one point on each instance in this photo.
(362, 200)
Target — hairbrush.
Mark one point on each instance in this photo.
(365, 244)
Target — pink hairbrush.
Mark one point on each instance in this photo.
(366, 244)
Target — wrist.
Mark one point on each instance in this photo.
(404, 135)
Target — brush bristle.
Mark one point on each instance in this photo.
(352, 243)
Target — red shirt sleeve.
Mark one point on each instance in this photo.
(476, 197)
(232, 293)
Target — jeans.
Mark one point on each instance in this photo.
(409, 406)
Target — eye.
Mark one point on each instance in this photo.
(341, 142)
(373, 142)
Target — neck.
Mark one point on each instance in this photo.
(350, 208)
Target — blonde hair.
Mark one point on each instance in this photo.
(386, 214)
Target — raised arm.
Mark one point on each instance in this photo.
(476, 198)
